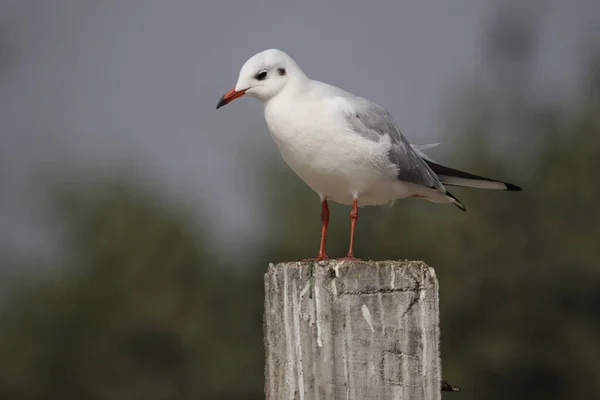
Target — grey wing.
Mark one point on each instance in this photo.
(373, 122)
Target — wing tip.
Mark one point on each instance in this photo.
(455, 177)
(460, 206)
(512, 188)
(456, 202)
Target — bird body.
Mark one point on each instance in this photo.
(317, 143)
(346, 148)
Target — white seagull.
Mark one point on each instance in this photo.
(346, 148)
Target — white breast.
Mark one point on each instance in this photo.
(335, 162)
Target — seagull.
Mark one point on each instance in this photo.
(344, 147)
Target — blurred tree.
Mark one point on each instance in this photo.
(511, 44)
(140, 310)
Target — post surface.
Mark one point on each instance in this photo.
(351, 330)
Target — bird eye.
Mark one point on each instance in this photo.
(261, 75)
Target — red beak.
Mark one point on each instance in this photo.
(230, 96)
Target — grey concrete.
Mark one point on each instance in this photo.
(352, 331)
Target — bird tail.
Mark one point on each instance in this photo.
(453, 177)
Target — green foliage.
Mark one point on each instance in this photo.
(141, 310)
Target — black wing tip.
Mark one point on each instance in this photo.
(460, 206)
(451, 172)
(513, 188)
(456, 201)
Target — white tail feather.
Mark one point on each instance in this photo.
(472, 183)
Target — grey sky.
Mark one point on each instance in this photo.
(117, 80)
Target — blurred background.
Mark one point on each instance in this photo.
(136, 221)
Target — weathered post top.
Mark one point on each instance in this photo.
(351, 330)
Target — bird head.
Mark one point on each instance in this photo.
(264, 76)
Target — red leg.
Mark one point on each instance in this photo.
(353, 218)
(325, 223)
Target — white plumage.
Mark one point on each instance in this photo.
(346, 148)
